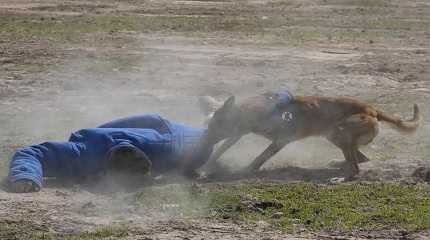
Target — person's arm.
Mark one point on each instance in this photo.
(29, 163)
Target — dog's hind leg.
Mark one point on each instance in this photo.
(360, 157)
(339, 142)
(351, 165)
(355, 131)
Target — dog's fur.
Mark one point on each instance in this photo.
(347, 123)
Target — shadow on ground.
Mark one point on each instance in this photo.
(285, 174)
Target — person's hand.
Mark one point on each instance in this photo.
(24, 186)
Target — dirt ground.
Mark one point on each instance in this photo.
(52, 84)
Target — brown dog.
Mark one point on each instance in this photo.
(347, 123)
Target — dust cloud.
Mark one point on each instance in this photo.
(165, 77)
(94, 88)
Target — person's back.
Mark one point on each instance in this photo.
(189, 143)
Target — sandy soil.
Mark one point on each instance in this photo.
(48, 90)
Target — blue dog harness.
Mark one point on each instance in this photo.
(277, 117)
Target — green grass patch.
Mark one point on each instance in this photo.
(316, 207)
(280, 3)
(61, 29)
(103, 233)
(19, 229)
(71, 28)
(397, 24)
(274, 28)
(113, 232)
(341, 207)
(362, 3)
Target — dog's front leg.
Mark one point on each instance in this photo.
(271, 150)
(221, 150)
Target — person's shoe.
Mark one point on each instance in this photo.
(23, 186)
(128, 159)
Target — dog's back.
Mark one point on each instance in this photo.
(316, 115)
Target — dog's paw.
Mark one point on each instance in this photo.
(23, 186)
(215, 169)
(203, 176)
(192, 174)
(247, 172)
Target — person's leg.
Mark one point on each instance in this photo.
(128, 159)
(50, 159)
(151, 121)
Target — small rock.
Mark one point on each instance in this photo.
(293, 210)
(404, 233)
(61, 194)
(260, 84)
(410, 78)
(420, 51)
(228, 208)
(259, 210)
(337, 180)
(262, 224)
(308, 221)
(267, 204)
(295, 220)
(422, 173)
(5, 60)
(88, 205)
(165, 207)
(278, 215)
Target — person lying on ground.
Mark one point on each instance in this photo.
(137, 144)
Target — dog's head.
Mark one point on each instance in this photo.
(224, 122)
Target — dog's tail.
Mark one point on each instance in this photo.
(408, 126)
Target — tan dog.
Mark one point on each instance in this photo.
(347, 123)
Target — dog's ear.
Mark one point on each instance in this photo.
(228, 104)
(208, 104)
(226, 111)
